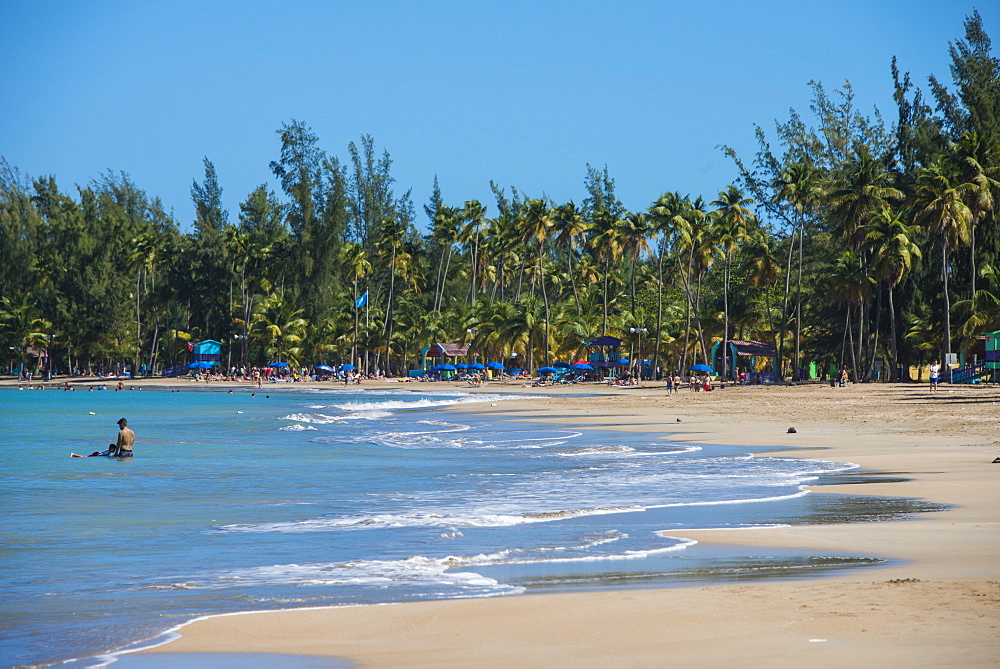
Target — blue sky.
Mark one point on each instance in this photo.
(523, 93)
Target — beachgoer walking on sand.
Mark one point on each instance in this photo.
(843, 377)
(935, 375)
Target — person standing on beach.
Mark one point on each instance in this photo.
(935, 375)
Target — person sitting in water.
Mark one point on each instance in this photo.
(120, 449)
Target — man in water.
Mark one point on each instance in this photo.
(120, 449)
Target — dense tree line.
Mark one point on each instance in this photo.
(846, 240)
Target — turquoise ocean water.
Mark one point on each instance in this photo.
(284, 498)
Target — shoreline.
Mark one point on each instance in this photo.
(941, 606)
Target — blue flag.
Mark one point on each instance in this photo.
(361, 301)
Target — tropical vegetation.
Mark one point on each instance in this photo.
(846, 240)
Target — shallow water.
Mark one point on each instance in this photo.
(281, 498)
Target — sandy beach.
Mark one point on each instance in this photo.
(939, 606)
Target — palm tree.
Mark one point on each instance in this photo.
(891, 241)
(984, 308)
(535, 229)
(474, 216)
(634, 231)
(669, 224)
(940, 208)
(851, 285)
(731, 217)
(445, 233)
(22, 327)
(354, 257)
(801, 186)
(281, 327)
(977, 163)
(570, 228)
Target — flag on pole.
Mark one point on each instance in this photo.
(361, 301)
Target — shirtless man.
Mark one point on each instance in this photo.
(126, 437)
(120, 449)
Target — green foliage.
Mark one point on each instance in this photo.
(845, 239)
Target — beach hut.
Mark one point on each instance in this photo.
(750, 352)
(607, 356)
(209, 351)
(442, 352)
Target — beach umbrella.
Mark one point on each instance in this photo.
(277, 364)
(477, 365)
(446, 368)
(701, 368)
(583, 365)
(325, 368)
(561, 365)
(346, 368)
(580, 362)
(547, 370)
(200, 365)
(495, 365)
(461, 365)
(623, 361)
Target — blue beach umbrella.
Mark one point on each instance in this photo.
(324, 368)
(582, 365)
(445, 368)
(561, 365)
(547, 370)
(347, 368)
(701, 368)
(200, 365)
(277, 364)
(477, 365)
(461, 365)
(495, 365)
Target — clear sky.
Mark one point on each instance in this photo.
(523, 93)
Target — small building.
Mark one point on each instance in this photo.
(443, 351)
(607, 356)
(750, 352)
(209, 351)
